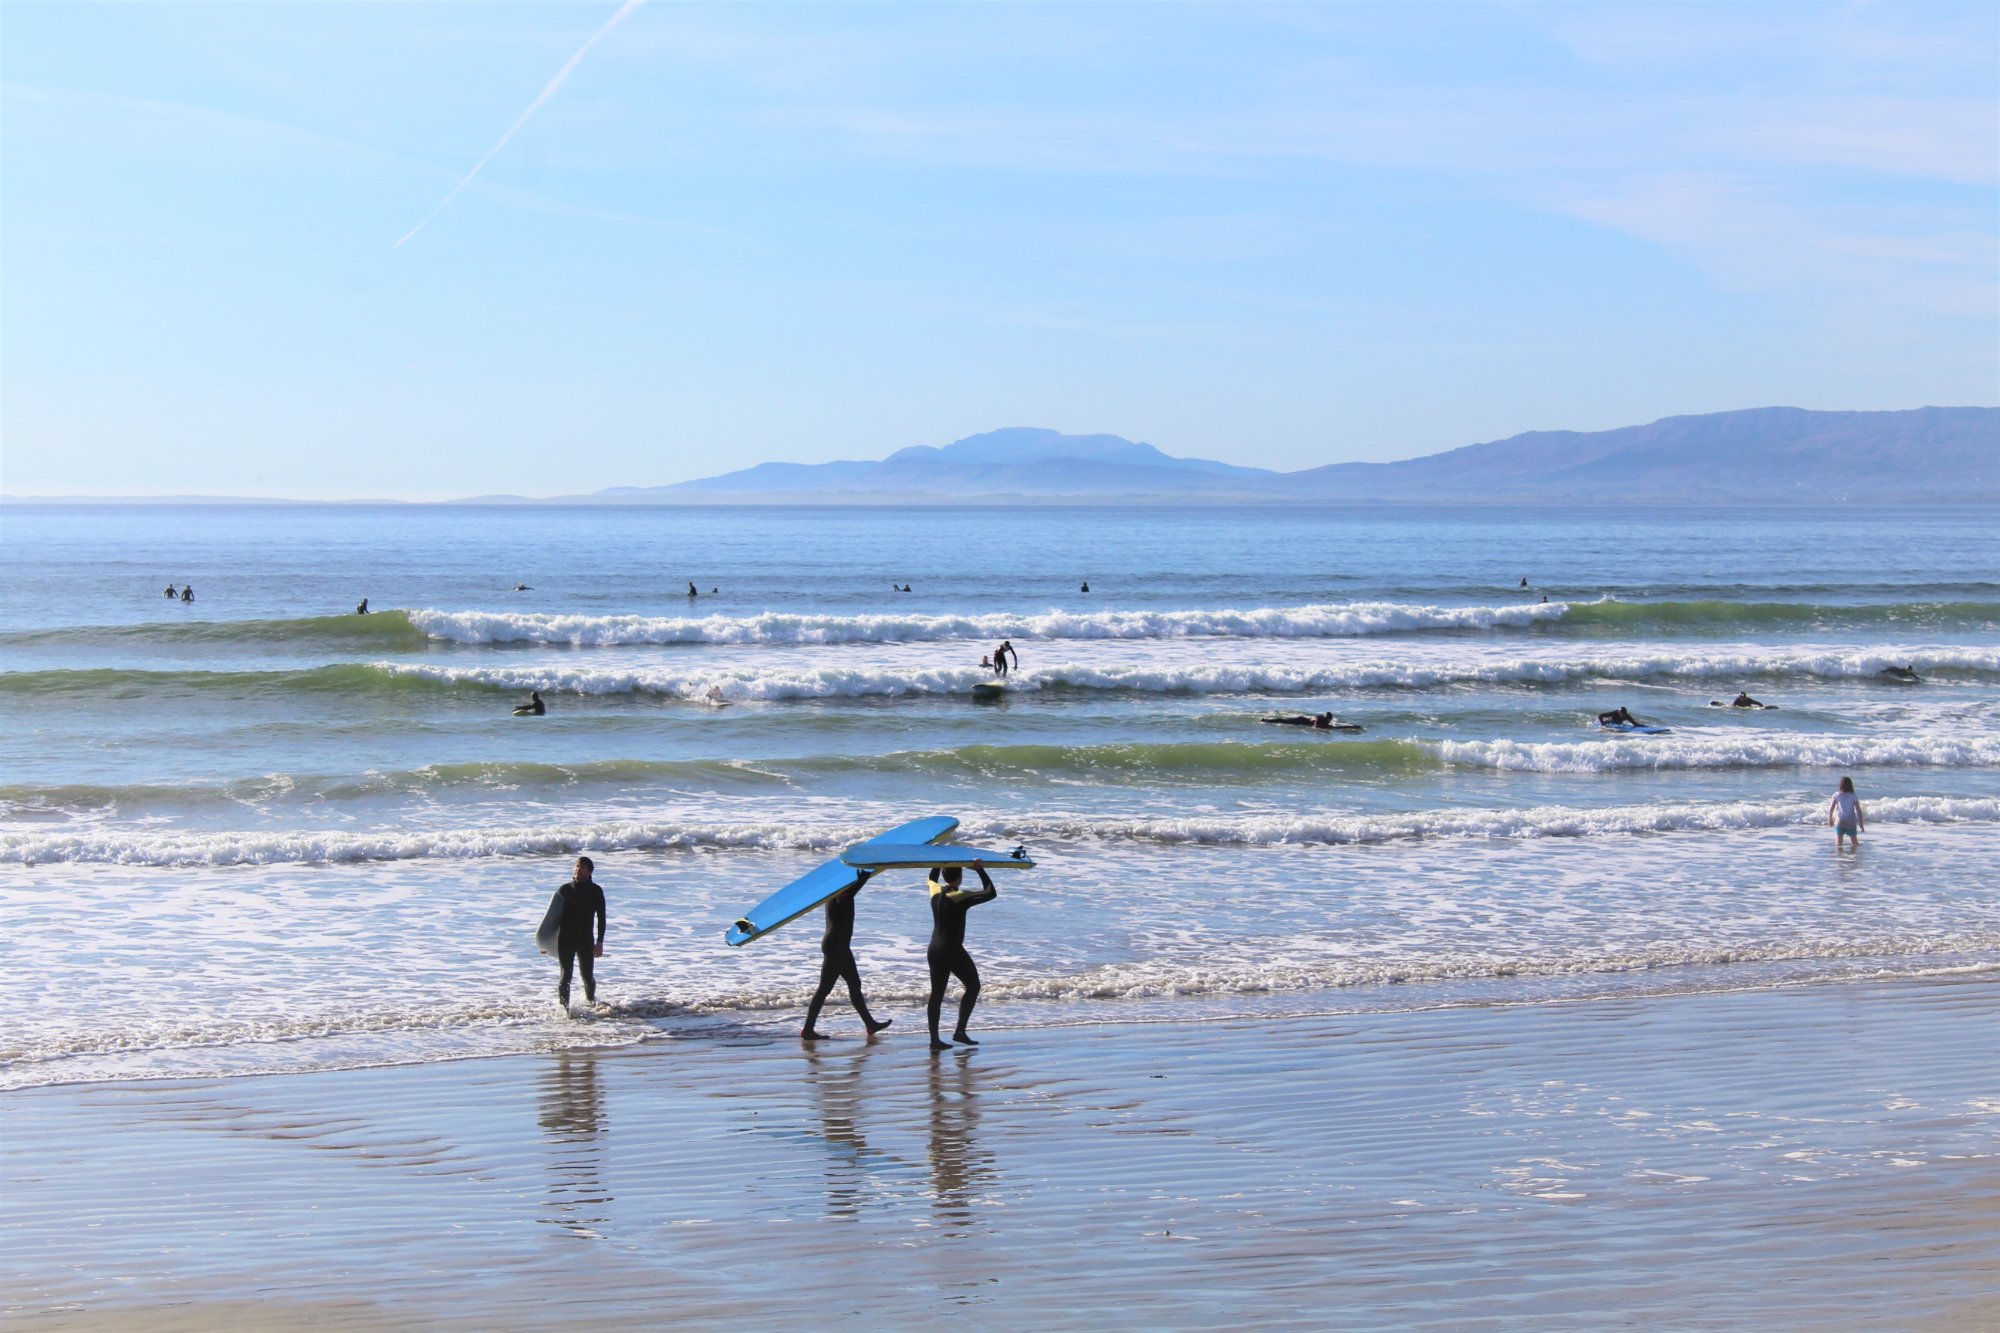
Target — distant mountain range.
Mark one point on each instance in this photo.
(1766, 453)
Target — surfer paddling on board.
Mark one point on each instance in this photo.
(948, 958)
(583, 905)
(1620, 716)
(836, 949)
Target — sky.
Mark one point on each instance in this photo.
(271, 249)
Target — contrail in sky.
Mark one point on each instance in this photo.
(533, 107)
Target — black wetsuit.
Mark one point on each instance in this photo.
(836, 949)
(583, 906)
(947, 954)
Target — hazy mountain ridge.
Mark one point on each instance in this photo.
(1758, 453)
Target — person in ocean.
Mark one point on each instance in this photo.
(1524, 580)
(172, 592)
(583, 906)
(1620, 716)
(1902, 672)
(1085, 587)
(362, 609)
(836, 963)
(947, 955)
(533, 708)
(1845, 814)
(1743, 700)
(1000, 656)
(187, 594)
(522, 587)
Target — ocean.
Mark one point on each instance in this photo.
(257, 833)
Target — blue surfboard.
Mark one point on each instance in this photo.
(881, 854)
(1631, 730)
(813, 888)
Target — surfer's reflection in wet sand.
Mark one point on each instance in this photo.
(961, 1166)
(571, 1115)
(836, 1082)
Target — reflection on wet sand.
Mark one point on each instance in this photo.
(961, 1166)
(836, 1083)
(571, 1115)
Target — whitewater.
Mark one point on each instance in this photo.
(350, 804)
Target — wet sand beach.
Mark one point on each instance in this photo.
(1809, 1157)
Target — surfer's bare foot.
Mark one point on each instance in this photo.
(937, 1045)
(875, 1026)
(962, 1039)
(810, 1034)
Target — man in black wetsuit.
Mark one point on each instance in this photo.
(583, 904)
(1001, 665)
(836, 949)
(948, 958)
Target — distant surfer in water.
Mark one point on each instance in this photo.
(533, 708)
(1317, 721)
(172, 591)
(1000, 656)
(1905, 673)
(583, 905)
(1524, 580)
(187, 594)
(522, 587)
(1620, 716)
(362, 609)
(1844, 813)
(947, 955)
(1085, 587)
(1743, 700)
(836, 949)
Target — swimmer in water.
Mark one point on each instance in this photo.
(836, 949)
(693, 592)
(172, 592)
(187, 594)
(947, 955)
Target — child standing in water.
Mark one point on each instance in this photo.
(1844, 813)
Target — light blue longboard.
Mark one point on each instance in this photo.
(881, 854)
(1630, 730)
(814, 887)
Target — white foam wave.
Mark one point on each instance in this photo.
(1329, 620)
(782, 683)
(316, 848)
(1611, 755)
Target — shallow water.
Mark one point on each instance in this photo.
(272, 835)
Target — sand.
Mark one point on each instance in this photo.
(1821, 1157)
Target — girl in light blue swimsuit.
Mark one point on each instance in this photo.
(1844, 813)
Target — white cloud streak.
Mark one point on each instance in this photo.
(569, 67)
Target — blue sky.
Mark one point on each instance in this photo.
(1278, 236)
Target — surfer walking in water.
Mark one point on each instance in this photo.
(947, 955)
(1001, 655)
(576, 947)
(836, 949)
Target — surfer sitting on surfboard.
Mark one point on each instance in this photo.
(836, 949)
(583, 904)
(947, 955)
(533, 708)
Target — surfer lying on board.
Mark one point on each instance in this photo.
(1908, 673)
(583, 903)
(1317, 721)
(1743, 700)
(836, 949)
(1620, 716)
(948, 958)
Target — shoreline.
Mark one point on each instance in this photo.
(1817, 1155)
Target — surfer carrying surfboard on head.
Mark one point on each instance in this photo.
(836, 949)
(583, 906)
(947, 955)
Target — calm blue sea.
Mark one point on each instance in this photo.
(256, 832)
